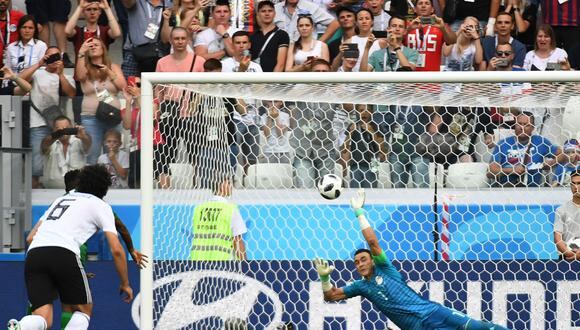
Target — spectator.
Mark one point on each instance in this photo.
(115, 160)
(439, 145)
(562, 172)
(143, 50)
(503, 59)
(364, 23)
(22, 86)
(395, 55)
(183, 14)
(132, 122)
(518, 160)
(313, 137)
(217, 42)
(9, 19)
(47, 83)
(428, 38)
(566, 224)
(175, 115)
(55, 12)
(484, 10)
(227, 242)
(545, 51)
(525, 13)
(349, 61)
(347, 23)
(269, 43)
(467, 53)
(288, 13)
(65, 149)
(503, 28)
(276, 128)
(101, 80)
(245, 116)
(564, 18)
(363, 149)
(28, 50)
(306, 48)
(381, 17)
(91, 11)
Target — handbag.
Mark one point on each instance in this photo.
(108, 114)
(147, 52)
(49, 114)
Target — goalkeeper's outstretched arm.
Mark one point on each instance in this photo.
(357, 204)
(330, 292)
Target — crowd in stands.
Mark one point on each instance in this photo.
(292, 36)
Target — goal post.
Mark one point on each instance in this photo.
(457, 207)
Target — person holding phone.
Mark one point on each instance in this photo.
(299, 51)
(427, 33)
(63, 150)
(467, 53)
(364, 23)
(28, 50)
(546, 56)
(101, 80)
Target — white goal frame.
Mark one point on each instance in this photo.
(151, 78)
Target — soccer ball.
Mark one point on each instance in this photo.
(330, 186)
(574, 243)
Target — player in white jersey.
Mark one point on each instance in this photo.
(53, 268)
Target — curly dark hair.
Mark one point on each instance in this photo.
(94, 180)
(71, 180)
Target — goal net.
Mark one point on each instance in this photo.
(461, 197)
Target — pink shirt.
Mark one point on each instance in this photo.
(169, 64)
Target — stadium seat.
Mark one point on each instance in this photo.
(571, 118)
(440, 175)
(269, 176)
(384, 176)
(239, 177)
(181, 175)
(467, 175)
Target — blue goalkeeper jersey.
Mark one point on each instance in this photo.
(392, 296)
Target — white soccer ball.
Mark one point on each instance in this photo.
(330, 186)
(574, 243)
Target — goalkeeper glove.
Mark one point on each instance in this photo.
(324, 270)
(357, 204)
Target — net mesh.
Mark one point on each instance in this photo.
(435, 160)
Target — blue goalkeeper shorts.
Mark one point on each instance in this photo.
(445, 318)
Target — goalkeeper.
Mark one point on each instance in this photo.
(385, 288)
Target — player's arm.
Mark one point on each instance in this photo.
(120, 261)
(240, 248)
(33, 232)
(330, 292)
(357, 204)
(139, 258)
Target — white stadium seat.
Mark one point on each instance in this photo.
(467, 175)
(384, 175)
(269, 176)
(571, 118)
(181, 175)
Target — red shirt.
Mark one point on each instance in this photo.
(11, 33)
(566, 14)
(79, 38)
(136, 128)
(430, 44)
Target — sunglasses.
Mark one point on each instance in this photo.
(500, 53)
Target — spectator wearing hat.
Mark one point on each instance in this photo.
(563, 171)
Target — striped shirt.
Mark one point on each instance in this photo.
(565, 14)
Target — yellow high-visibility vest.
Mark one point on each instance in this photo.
(213, 239)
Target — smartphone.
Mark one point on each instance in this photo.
(351, 51)
(88, 35)
(502, 63)
(131, 81)
(380, 34)
(429, 20)
(550, 66)
(246, 53)
(70, 131)
(53, 58)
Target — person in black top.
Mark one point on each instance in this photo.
(269, 43)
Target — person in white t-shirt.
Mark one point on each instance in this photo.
(276, 129)
(567, 223)
(216, 42)
(545, 52)
(115, 160)
(245, 116)
(52, 263)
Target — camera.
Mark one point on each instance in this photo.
(53, 58)
(429, 20)
(380, 34)
(550, 66)
(70, 131)
(351, 51)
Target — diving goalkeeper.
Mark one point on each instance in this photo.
(385, 288)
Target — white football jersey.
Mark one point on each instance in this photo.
(71, 220)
